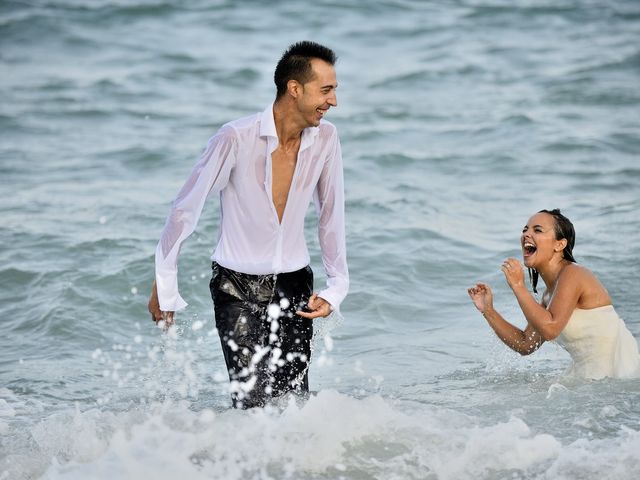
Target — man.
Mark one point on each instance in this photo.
(267, 168)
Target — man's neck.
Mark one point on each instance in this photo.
(288, 130)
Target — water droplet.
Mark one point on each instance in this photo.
(328, 343)
(274, 311)
(197, 325)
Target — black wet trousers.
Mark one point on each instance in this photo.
(266, 346)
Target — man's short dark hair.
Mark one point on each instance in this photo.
(295, 64)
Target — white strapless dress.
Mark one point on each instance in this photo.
(600, 344)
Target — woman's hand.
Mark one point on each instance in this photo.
(513, 273)
(482, 297)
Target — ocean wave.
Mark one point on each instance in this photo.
(329, 436)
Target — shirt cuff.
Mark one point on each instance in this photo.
(168, 296)
(332, 297)
(172, 304)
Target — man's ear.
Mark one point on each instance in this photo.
(294, 88)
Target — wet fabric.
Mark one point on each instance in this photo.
(600, 344)
(236, 167)
(266, 346)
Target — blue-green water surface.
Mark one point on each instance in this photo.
(458, 120)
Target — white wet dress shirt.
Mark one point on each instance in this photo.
(236, 165)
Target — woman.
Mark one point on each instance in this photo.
(575, 309)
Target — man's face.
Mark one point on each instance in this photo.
(318, 94)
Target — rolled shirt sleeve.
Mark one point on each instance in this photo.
(329, 204)
(210, 175)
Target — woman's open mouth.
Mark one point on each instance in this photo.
(528, 249)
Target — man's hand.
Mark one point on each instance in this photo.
(158, 315)
(318, 307)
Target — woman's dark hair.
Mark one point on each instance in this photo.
(295, 64)
(563, 229)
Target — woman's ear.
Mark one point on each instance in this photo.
(561, 245)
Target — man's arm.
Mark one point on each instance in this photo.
(329, 203)
(210, 174)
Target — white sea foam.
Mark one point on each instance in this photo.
(329, 435)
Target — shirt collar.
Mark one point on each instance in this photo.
(268, 129)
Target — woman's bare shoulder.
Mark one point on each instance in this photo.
(578, 271)
(592, 292)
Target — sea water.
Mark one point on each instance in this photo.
(458, 120)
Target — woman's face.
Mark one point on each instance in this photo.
(538, 241)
